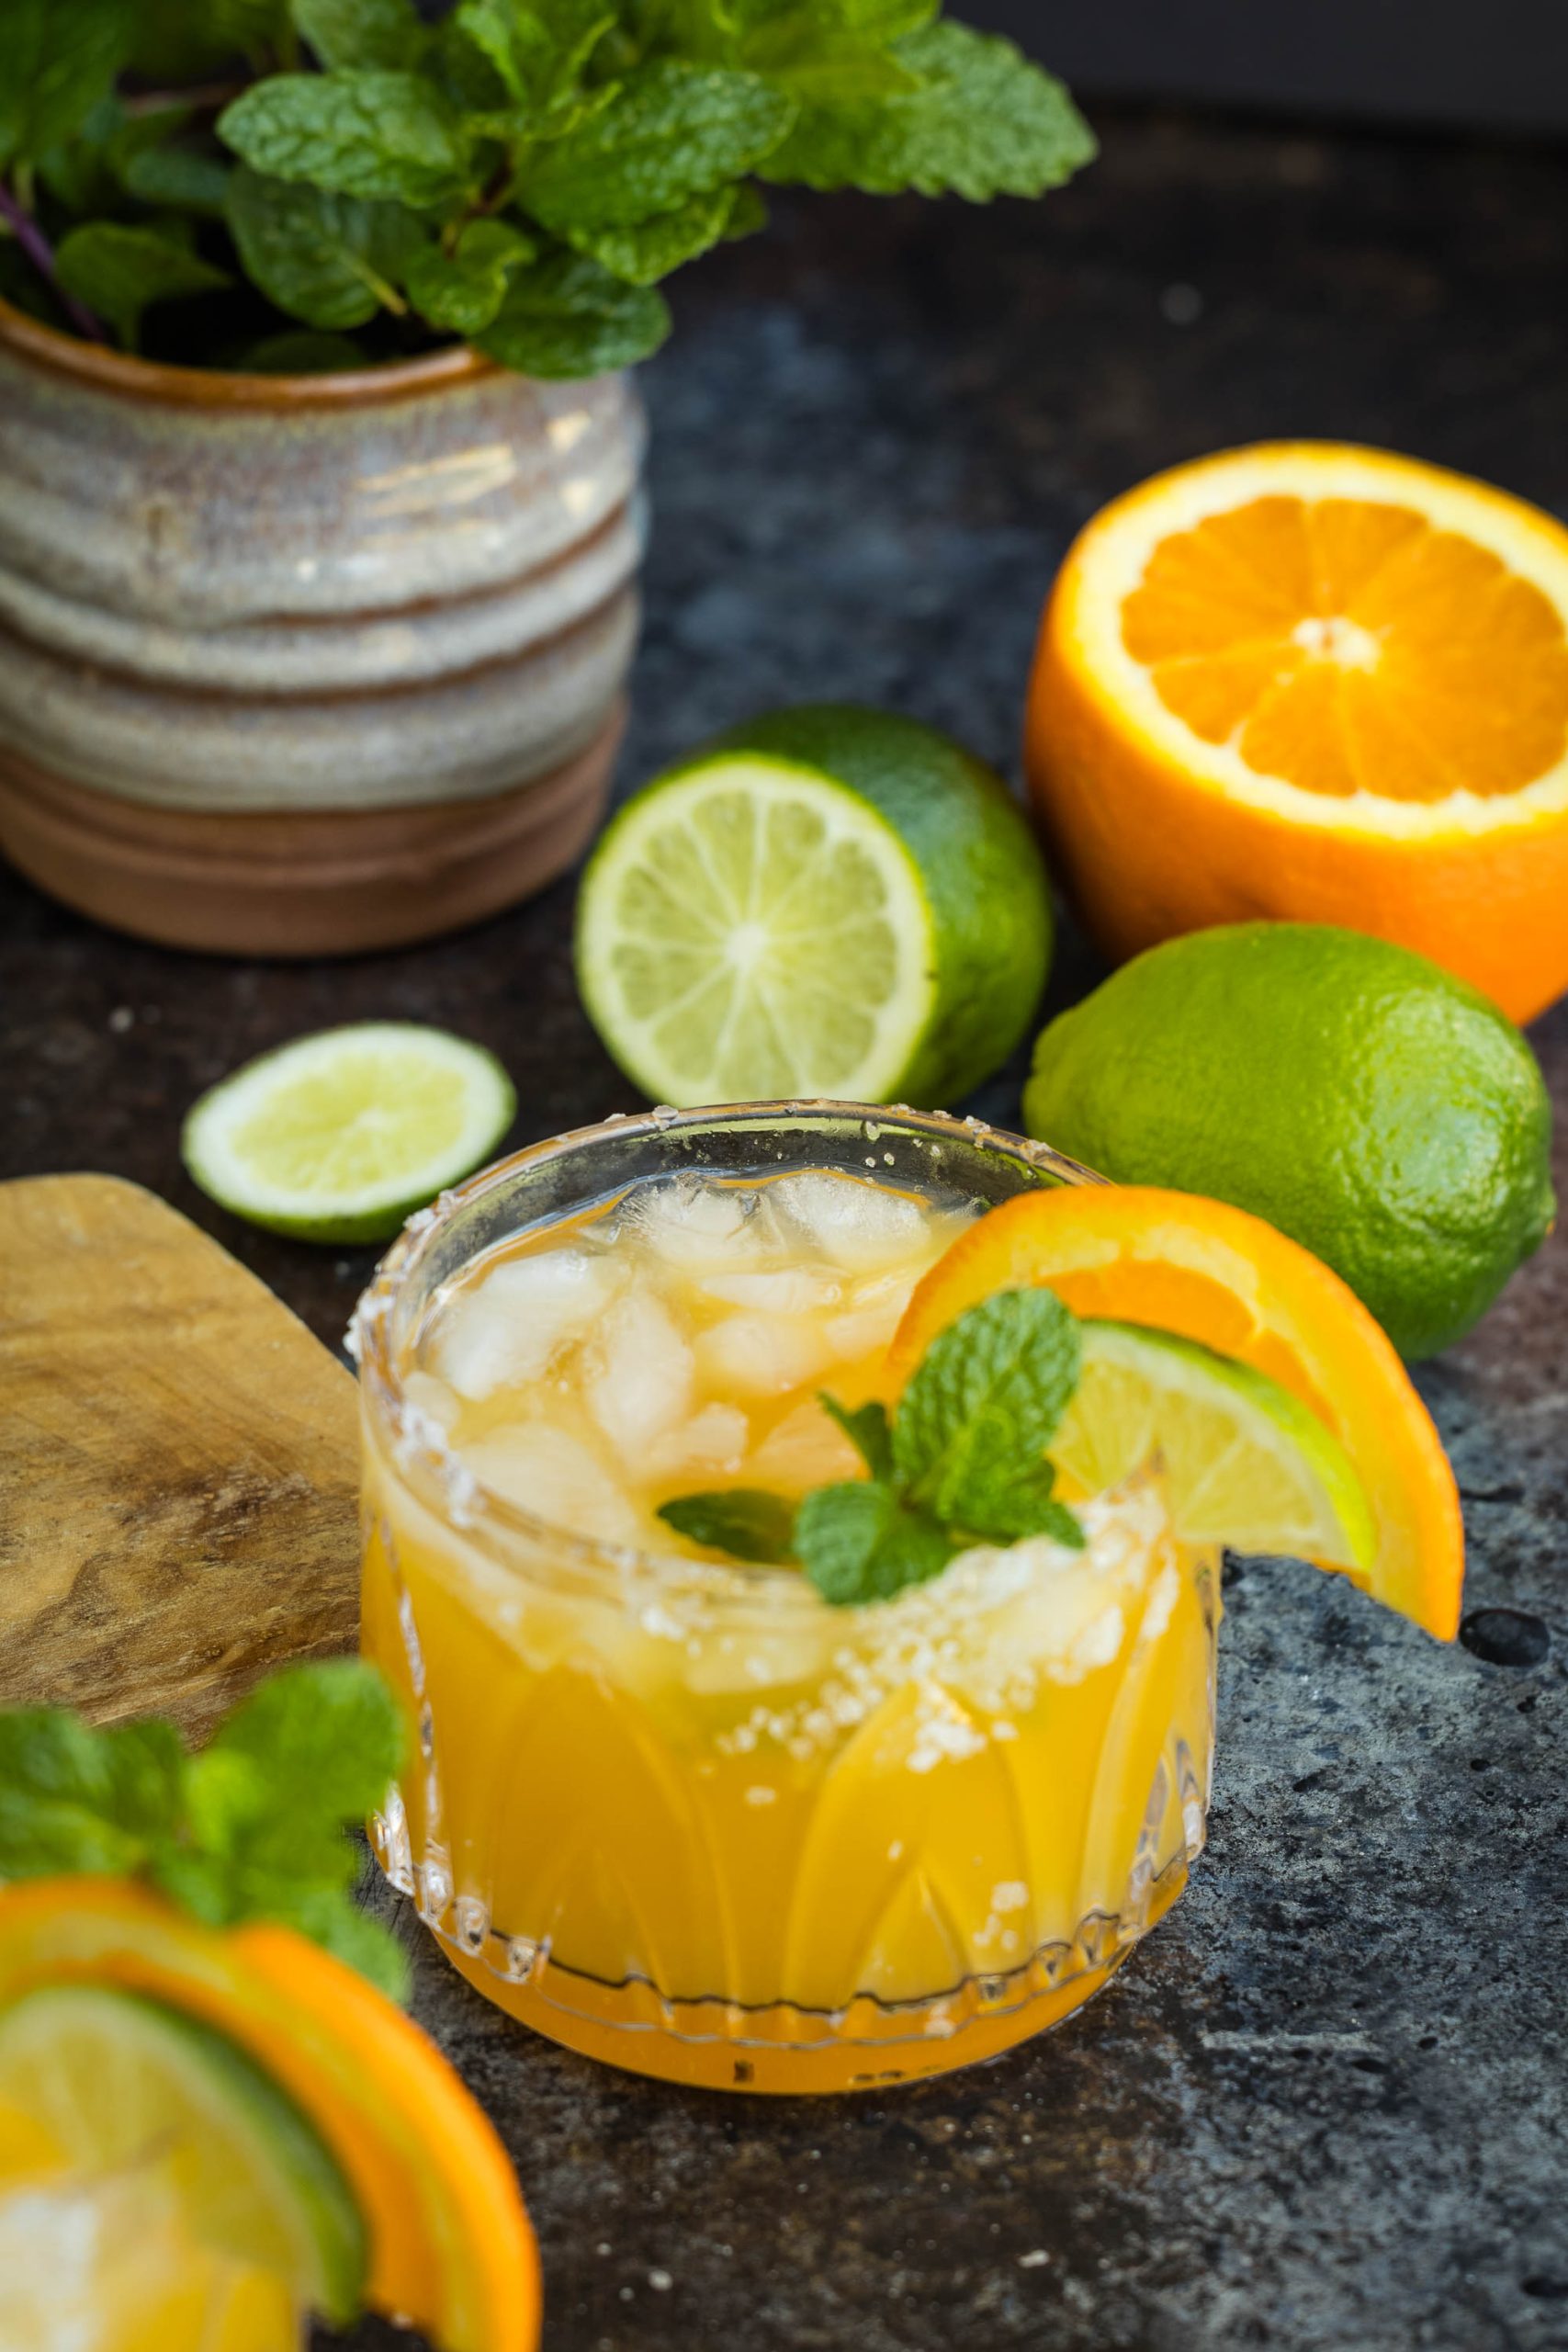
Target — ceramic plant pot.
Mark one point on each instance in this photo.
(306, 665)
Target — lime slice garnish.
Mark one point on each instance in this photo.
(113, 2081)
(1247, 1464)
(831, 901)
(340, 1135)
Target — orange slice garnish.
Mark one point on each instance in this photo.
(1319, 683)
(451, 2247)
(1207, 1271)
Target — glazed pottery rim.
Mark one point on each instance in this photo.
(496, 1525)
(162, 382)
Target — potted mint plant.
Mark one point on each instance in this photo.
(320, 518)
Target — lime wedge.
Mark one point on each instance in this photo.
(340, 1135)
(829, 901)
(1247, 1464)
(114, 2082)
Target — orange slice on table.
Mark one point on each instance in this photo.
(450, 2245)
(1206, 1272)
(1321, 682)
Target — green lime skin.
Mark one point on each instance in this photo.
(1361, 1099)
(980, 865)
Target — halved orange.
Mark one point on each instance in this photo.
(451, 2247)
(1320, 682)
(1219, 1275)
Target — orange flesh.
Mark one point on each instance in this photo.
(1210, 1272)
(1347, 645)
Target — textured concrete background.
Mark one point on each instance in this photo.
(1322, 2110)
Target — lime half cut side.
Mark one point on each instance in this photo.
(754, 933)
(1247, 1464)
(111, 2084)
(340, 1135)
(829, 902)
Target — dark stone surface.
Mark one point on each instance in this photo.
(1323, 2109)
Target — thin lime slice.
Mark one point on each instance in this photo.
(1247, 1464)
(115, 2081)
(340, 1135)
(831, 901)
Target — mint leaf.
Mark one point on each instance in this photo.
(464, 74)
(330, 260)
(225, 1893)
(743, 1521)
(1012, 1510)
(461, 291)
(178, 40)
(860, 1542)
(255, 1828)
(1061, 1525)
(540, 49)
(748, 213)
(867, 1430)
(673, 130)
(643, 254)
(566, 317)
(311, 1749)
(118, 272)
(986, 123)
(831, 53)
(328, 1738)
(387, 137)
(75, 1799)
(59, 62)
(984, 1403)
(361, 32)
(340, 1927)
(186, 178)
(883, 20)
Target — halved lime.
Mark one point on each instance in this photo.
(828, 901)
(1247, 1464)
(112, 2081)
(340, 1135)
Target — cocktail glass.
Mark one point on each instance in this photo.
(687, 1817)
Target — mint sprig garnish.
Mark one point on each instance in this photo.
(521, 173)
(969, 1441)
(251, 1827)
(962, 1462)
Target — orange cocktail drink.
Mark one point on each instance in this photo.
(677, 1811)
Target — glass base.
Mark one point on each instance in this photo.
(785, 2050)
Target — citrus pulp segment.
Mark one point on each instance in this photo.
(829, 902)
(1322, 681)
(1245, 1464)
(115, 2080)
(450, 2248)
(1203, 1271)
(339, 1135)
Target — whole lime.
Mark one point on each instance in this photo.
(1363, 1100)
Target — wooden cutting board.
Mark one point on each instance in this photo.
(178, 1464)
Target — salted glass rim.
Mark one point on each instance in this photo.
(478, 1512)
